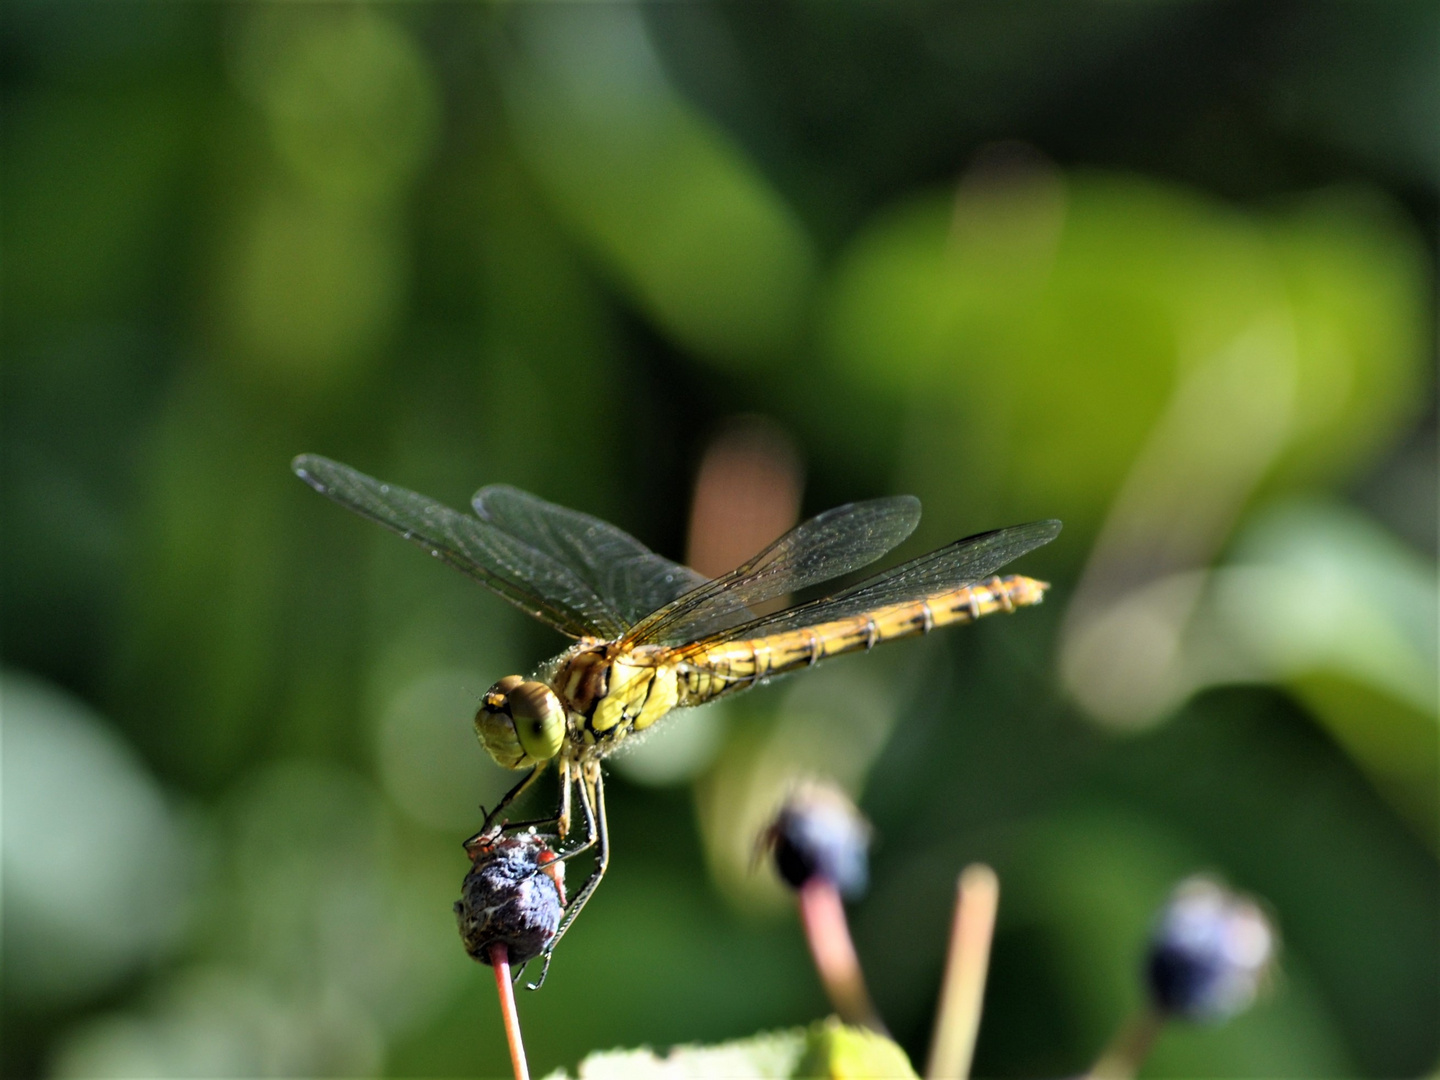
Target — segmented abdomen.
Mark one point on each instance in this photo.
(735, 665)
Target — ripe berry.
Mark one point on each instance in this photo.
(1208, 953)
(512, 896)
(819, 833)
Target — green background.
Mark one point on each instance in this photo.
(1162, 270)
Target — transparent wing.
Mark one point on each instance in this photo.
(952, 567)
(529, 578)
(619, 569)
(833, 543)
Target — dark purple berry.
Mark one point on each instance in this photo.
(819, 834)
(1208, 953)
(510, 896)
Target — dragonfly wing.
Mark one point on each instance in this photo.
(965, 562)
(828, 545)
(529, 578)
(630, 577)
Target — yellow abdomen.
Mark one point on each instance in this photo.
(707, 674)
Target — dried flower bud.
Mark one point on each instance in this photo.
(819, 833)
(1209, 952)
(511, 896)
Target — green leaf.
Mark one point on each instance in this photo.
(825, 1049)
(672, 207)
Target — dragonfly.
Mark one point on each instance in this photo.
(651, 635)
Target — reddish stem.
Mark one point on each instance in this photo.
(500, 959)
(1128, 1050)
(823, 916)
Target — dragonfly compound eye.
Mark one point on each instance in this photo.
(520, 723)
(539, 719)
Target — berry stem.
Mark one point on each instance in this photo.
(500, 960)
(962, 994)
(1127, 1051)
(823, 915)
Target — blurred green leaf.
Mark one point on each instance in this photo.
(1039, 323)
(1323, 599)
(764, 1056)
(849, 1053)
(826, 1049)
(671, 205)
(1357, 283)
(352, 107)
(315, 273)
(311, 292)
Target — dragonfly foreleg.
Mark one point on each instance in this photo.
(591, 831)
(508, 798)
(563, 814)
(592, 802)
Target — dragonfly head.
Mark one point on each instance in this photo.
(520, 722)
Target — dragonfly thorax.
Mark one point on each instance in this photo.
(520, 722)
(582, 676)
(611, 691)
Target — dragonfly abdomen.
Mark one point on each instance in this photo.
(735, 665)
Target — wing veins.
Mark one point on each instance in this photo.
(825, 547)
(623, 572)
(528, 578)
(955, 566)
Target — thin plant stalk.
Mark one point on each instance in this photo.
(962, 994)
(500, 960)
(823, 915)
(1127, 1051)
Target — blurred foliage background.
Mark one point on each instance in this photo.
(1162, 270)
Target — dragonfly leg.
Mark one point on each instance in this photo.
(504, 804)
(592, 833)
(560, 819)
(563, 814)
(592, 801)
(544, 970)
